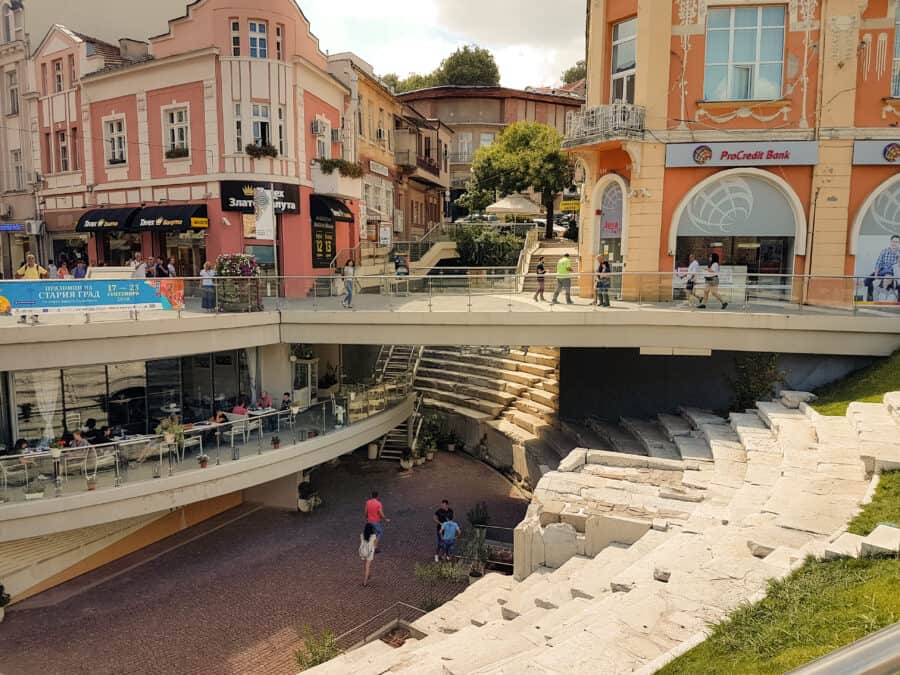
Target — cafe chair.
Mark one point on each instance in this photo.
(286, 419)
(13, 471)
(194, 440)
(255, 425)
(236, 430)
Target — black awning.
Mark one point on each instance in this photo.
(171, 218)
(106, 220)
(329, 208)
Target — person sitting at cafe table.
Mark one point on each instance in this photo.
(286, 401)
(78, 440)
(264, 401)
(91, 432)
(218, 418)
(240, 408)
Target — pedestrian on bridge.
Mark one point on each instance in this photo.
(563, 279)
(541, 273)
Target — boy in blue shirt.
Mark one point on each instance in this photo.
(449, 532)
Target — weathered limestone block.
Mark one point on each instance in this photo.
(662, 574)
(884, 540)
(846, 546)
(601, 531)
(573, 462)
(758, 550)
(559, 544)
(793, 399)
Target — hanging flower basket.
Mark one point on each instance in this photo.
(239, 288)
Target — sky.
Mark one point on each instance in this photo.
(533, 41)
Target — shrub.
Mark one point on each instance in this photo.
(481, 245)
(177, 153)
(478, 515)
(345, 168)
(259, 151)
(318, 648)
(755, 379)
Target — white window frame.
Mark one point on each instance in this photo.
(464, 143)
(623, 75)
(18, 169)
(259, 39)
(59, 79)
(238, 129)
(323, 141)
(62, 148)
(262, 123)
(177, 127)
(115, 140)
(235, 25)
(754, 66)
(895, 71)
(12, 92)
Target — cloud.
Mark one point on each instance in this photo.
(533, 41)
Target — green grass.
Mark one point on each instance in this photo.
(885, 506)
(868, 385)
(820, 607)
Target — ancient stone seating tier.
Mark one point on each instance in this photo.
(624, 559)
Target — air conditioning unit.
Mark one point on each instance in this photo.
(337, 135)
(34, 227)
(6, 210)
(380, 134)
(318, 128)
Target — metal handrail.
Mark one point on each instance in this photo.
(395, 608)
(875, 654)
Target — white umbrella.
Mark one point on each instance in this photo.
(515, 205)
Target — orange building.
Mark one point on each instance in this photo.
(764, 132)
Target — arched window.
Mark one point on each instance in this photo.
(875, 241)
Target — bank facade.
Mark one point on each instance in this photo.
(774, 143)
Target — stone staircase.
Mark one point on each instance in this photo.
(395, 361)
(624, 560)
(504, 398)
(552, 250)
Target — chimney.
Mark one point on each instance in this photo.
(133, 50)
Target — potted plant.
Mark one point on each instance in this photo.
(452, 441)
(476, 553)
(177, 153)
(407, 461)
(4, 601)
(260, 151)
(418, 457)
(203, 460)
(171, 430)
(91, 483)
(276, 442)
(34, 490)
(238, 283)
(373, 451)
(346, 168)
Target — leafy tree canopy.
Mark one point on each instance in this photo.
(575, 73)
(526, 155)
(467, 66)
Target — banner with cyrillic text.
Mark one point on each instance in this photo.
(76, 296)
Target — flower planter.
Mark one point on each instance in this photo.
(240, 295)
(406, 464)
(2, 613)
(276, 446)
(169, 439)
(373, 451)
(451, 447)
(429, 455)
(420, 461)
(304, 505)
(34, 495)
(203, 465)
(474, 576)
(92, 485)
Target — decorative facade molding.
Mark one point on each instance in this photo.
(743, 113)
(803, 11)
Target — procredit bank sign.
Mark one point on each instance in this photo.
(786, 153)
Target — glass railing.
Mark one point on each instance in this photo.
(48, 473)
(493, 289)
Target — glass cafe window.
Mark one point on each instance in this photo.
(744, 53)
(624, 61)
(163, 390)
(39, 405)
(127, 407)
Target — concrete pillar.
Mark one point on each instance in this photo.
(276, 374)
(597, 53)
(654, 48)
(278, 494)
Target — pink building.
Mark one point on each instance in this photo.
(156, 147)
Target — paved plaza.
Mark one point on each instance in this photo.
(233, 595)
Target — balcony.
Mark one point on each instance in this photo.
(334, 184)
(460, 157)
(618, 121)
(420, 167)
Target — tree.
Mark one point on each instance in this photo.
(392, 80)
(469, 66)
(476, 199)
(575, 73)
(526, 155)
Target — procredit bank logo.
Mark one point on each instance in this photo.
(702, 154)
(891, 152)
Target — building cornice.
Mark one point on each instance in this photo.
(149, 63)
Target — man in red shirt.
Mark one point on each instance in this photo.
(375, 516)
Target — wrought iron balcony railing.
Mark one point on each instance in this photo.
(605, 122)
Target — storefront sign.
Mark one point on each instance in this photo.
(570, 205)
(323, 243)
(12, 227)
(385, 235)
(63, 297)
(238, 196)
(764, 153)
(881, 153)
(380, 169)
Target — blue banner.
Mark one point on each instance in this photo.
(79, 295)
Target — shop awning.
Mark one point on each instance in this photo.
(171, 218)
(329, 208)
(106, 220)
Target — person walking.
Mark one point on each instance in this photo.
(376, 518)
(563, 279)
(349, 277)
(30, 270)
(712, 282)
(367, 541)
(449, 532)
(441, 516)
(208, 286)
(541, 274)
(603, 282)
(693, 272)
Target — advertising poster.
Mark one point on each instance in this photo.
(78, 296)
(323, 243)
(878, 250)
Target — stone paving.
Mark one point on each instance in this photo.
(235, 599)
